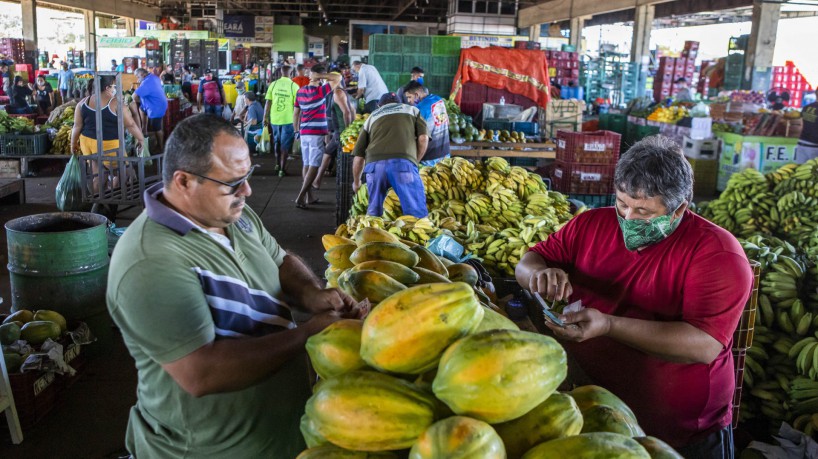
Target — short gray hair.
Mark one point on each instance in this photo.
(655, 166)
(140, 71)
(190, 146)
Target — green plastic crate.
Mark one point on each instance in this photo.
(646, 131)
(389, 63)
(392, 80)
(417, 44)
(439, 84)
(385, 43)
(423, 61)
(595, 201)
(446, 46)
(444, 65)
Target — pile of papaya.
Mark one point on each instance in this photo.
(33, 327)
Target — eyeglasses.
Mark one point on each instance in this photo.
(234, 186)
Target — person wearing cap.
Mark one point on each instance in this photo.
(416, 75)
(211, 93)
(388, 150)
(310, 124)
(433, 109)
(370, 85)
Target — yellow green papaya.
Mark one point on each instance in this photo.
(23, 315)
(658, 449)
(589, 396)
(53, 316)
(603, 418)
(493, 320)
(36, 332)
(368, 234)
(558, 416)
(9, 333)
(463, 272)
(396, 271)
(426, 276)
(389, 251)
(430, 261)
(334, 452)
(599, 445)
(311, 437)
(336, 349)
(370, 284)
(459, 437)
(330, 240)
(338, 256)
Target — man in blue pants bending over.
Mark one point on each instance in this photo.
(389, 148)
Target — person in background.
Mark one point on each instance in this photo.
(370, 85)
(187, 83)
(301, 79)
(340, 114)
(416, 75)
(211, 93)
(222, 368)
(433, 109)
(64, 81)
(84, 132)
(651, 274)
(167, 75)
(45, 96)
(310, 123)
(253, 117)
(20, 94)
(278, 116)
(388, 149)
(152, 99)
(683, 93)
(807, 147)
(241, 103)
(113, 65)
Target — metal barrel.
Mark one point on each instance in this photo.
(59, 261)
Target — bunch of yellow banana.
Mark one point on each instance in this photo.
(391, 205)
(498, 164)
(803, 179)
(62, 142)
(418, 230)
(782, 173)
(746, 207)
(464, 172)
(478, 207)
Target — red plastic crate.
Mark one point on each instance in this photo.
(573, 178)
(598, 147)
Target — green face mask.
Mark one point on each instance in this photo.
(642, 233)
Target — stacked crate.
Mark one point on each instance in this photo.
(703, 86)
(563, 67)
(585, 162)
(671, 69)
(13, 48)
(395, 55)
(343, 191)
(787, 77)
(153, 53)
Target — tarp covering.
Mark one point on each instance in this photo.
(520, 71)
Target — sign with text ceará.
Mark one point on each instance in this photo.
(236, 26)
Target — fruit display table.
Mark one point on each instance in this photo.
(545, 150)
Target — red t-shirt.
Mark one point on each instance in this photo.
(301, 81)
(699, 275)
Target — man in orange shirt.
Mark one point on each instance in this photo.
(301, 80)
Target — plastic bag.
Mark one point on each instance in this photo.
(145, 152)
(297, 147)
(227, 112)
(701, 110)
(69, 188)
(264, 143)
(446, 246)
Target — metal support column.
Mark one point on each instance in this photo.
(130, 26)
(90, 17)
(575, 39)
(642, 26)
(534, 33)
(29, 9)
(758, 59)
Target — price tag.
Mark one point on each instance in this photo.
(558, 173)
(561, 144)
(71, 353)
(599, 147)
(589, 177)
(42, 383)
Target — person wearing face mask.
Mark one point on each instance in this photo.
(416, 76)
(211, 93)
(433, 109)
(150, 96)
(662, 289)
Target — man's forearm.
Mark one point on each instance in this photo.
(357, 168)
(672, 341)
(528, 265)
(297, 280)
(422, 144)
(360, 93)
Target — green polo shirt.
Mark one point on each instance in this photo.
(173, 288)
(281, 95)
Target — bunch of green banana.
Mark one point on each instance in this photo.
(797, 215)
(782, 173)
(804, 405)
(803, 179)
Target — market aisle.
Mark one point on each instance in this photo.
(91, 417)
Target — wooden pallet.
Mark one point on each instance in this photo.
(9, 187)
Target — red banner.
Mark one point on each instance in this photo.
(521, 71)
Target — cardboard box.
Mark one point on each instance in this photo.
(10, 168)
(701, 148)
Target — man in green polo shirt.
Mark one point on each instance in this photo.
(278, 116)
(203, 294)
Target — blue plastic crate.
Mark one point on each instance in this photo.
(497, 124)
(526, 127)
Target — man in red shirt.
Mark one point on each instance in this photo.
(212, 93)
(663, 290)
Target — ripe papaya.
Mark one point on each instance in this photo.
(600, 445)
(9, 333)
(311, 437)
(36, 332)
(394, 270)
(370, 411)
(446, 262)
(331, 274)
(331, 451)
(408, 332)
(426, 276)
(408, 243)
(330, 240)
(338, 256)
(23, 315)
(459, 437)
(429, 261)
(388, 251)
(53, 316)
(589, 396)
(499, 375)
(337, 349)
(463, 272)
(366, 235)
(558, 416)
(370, 284)
(493, 320)
(657, 448)
(603, 418)
(13, 361)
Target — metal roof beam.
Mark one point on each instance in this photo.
(563, 10)
(401, 8)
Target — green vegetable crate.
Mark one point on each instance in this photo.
(24, 144)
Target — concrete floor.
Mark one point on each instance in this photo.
(91, 417)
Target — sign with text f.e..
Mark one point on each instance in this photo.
(238, 26)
